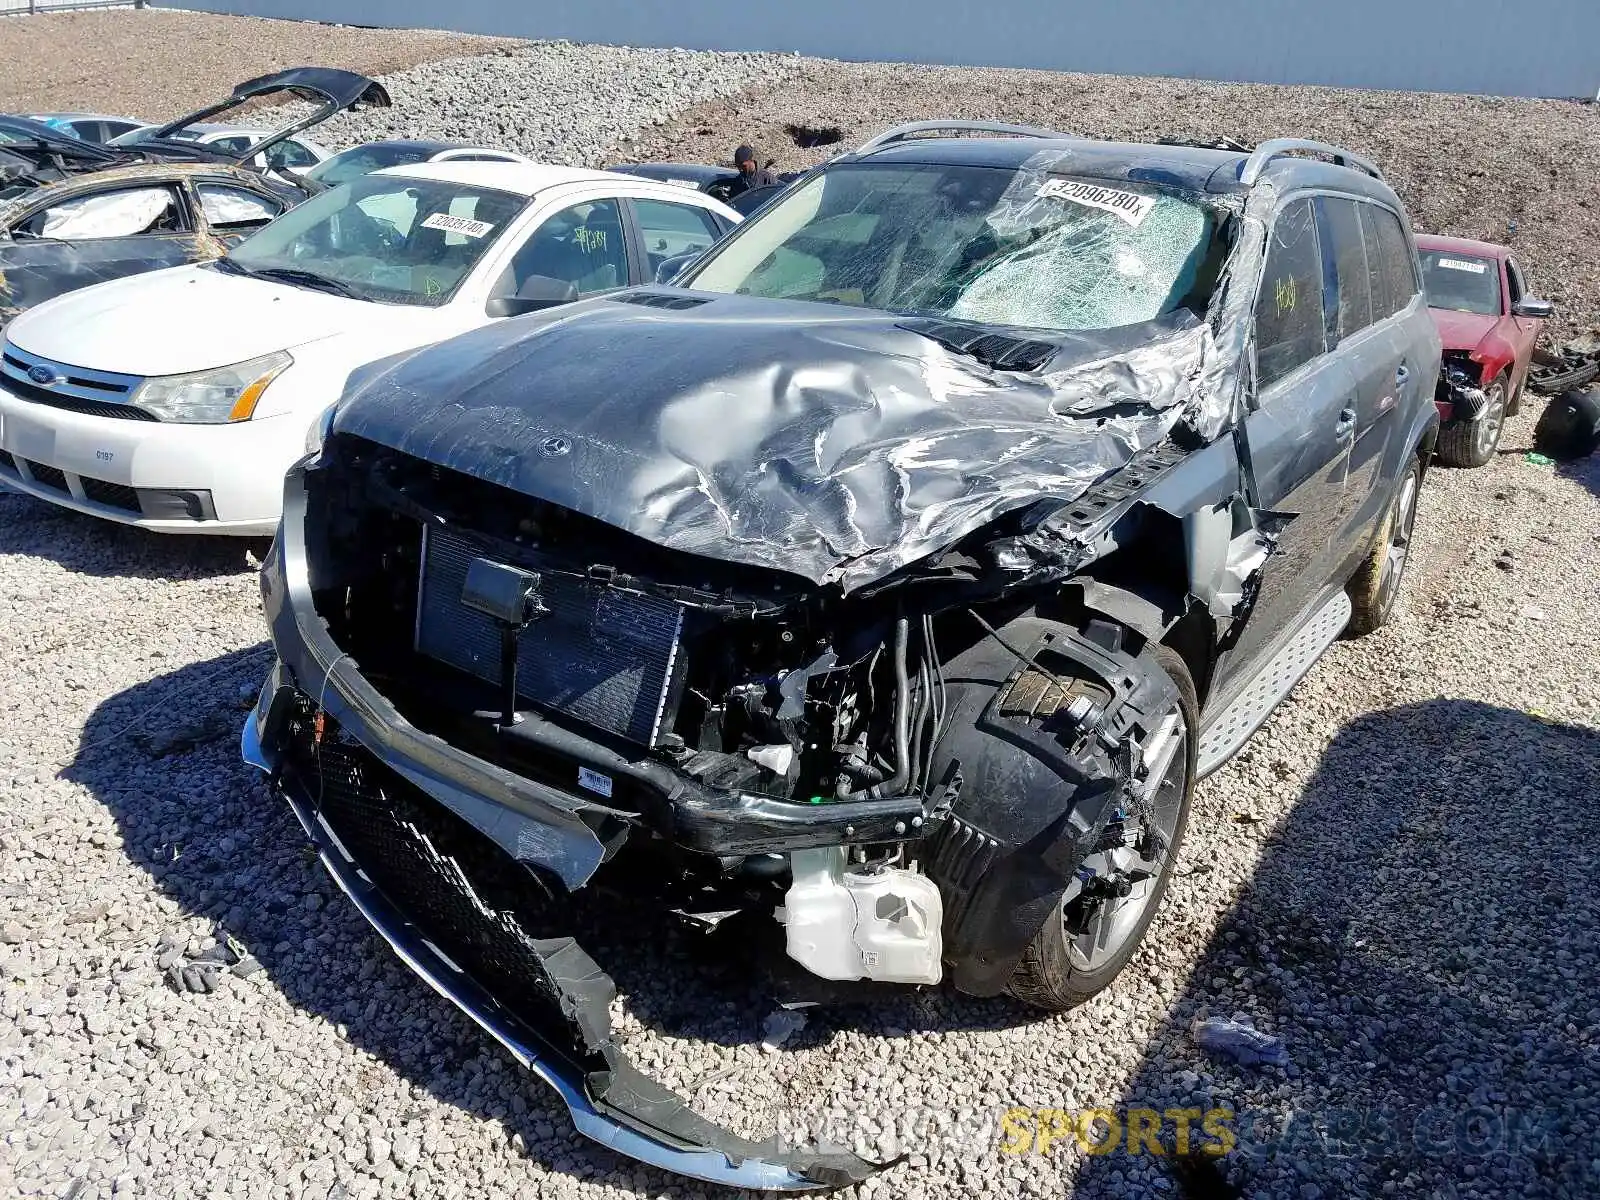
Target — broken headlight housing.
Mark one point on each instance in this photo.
(213, 397)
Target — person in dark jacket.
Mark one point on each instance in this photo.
(751, 175)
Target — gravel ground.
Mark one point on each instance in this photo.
(1396, 877)
(158, 64)
(1519, 172)
(554, 101)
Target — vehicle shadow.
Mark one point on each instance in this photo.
(1584, 471)
(163, 758)
(1423, 934)
(89, 545)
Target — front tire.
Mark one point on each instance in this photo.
(1376, 584)
(1088, 940)
(1473, 443)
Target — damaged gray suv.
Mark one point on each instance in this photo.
(886, 581)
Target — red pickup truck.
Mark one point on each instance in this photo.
(1490, 325)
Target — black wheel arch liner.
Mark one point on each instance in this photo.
(1035, 796)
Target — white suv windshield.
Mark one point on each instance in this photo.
(987, 244)
(382, 237)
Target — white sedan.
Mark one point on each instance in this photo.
(176, 400)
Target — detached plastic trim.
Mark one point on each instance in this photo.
(706, 1164)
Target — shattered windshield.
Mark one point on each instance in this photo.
(387, 238)
(1462, 282)
(995, 245)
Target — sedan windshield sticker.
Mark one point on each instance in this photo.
(461, 225)
(1130, 206)
(1461, 264)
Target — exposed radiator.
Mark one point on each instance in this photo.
(602, 656)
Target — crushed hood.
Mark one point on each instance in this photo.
(830, 443)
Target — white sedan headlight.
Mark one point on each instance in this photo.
(212, 397)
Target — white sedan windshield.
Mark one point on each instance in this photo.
(987, 244)
(383, 237)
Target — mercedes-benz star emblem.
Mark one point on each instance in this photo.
(42, 375)
(555, 447)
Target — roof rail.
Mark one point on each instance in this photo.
(904, 133)
(1256, 167)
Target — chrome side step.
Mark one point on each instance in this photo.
(1225, 733)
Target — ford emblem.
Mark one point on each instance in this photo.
(43, 375)
(555, 447)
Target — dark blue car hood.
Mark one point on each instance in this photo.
(832, 443)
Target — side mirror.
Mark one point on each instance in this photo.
(671, 268)
(1537, 310)
(537, 292)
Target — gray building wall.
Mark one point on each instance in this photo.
(1499, 47)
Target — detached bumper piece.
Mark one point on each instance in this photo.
(458, 910)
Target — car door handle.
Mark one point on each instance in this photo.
(1347, 422)
(1402, 375)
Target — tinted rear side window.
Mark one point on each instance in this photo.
(1290, 329)
(1343, 247)
(1394, 279)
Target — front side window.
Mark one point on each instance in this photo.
(1517, 289)
(235, 144)
(125, 213)
(581, 245)
(670, 230)
(1290, 329)
(987, 244)
(382, 237)
(1462, 282)
(231, 209)
(291, 154)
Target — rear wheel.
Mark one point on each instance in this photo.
(1473, 443)
(1376, 583)
(1103, 915)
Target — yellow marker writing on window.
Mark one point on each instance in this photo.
(1286, 295)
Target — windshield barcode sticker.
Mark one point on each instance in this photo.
(1461, 264)
(1130, 206)
(462, 225)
